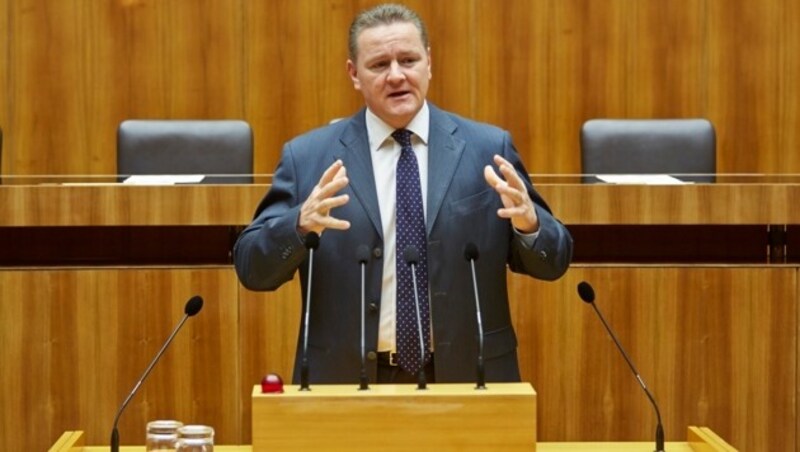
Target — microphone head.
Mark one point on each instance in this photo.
(471, 251)
(311, 240)
(362, 254)
(586, 292)
(193, 306)
(411, 255)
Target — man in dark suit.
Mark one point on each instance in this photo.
(339, 182)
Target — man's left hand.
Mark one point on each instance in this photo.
(517, 204)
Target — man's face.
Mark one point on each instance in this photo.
(392, 71)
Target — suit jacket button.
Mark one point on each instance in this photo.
(372, 356)
(373, 308)
(543, 255)
(377, 252)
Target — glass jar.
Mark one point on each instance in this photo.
(162, 435)
(195, 438)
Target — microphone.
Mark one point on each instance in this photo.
(411, 256)
(586, 292)
(192, 307)
(471, 254)
(311, 242)
(362, 254)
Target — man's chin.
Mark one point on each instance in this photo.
(401, 113)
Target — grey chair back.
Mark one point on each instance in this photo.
(684, 148)
(180, 147)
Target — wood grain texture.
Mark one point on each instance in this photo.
(752, 69)
(573, 204)
(75, 342)
(444, 417)
(71, 71)
(715, 345)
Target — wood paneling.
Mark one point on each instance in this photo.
(753, 64)
(75, 341)
(77, 69)
(234, 205)
(715, 345)
(71, 71)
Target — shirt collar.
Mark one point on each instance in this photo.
(378, 131)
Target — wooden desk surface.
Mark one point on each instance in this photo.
(700, 439)
(540, 447)
(231, 204)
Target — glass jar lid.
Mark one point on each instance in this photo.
(163, 426)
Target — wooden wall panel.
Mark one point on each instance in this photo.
(73, 70)
(295, 78)
(667, 66)
(74, 343)
(76, 69)
(270, 324)
(717, 346)
(753, 85)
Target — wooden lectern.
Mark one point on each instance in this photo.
(443, 417)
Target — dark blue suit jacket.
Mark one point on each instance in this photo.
(461, 208)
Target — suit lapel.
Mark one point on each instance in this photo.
(356, 158)
(444, 153)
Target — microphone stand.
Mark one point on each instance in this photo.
(481, 384)
(586, 292)
(311, 242)
(363, 257)
(421, 379)
(192, 307)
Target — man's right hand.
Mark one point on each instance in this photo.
(315, 211)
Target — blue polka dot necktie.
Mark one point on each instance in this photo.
(410, 230)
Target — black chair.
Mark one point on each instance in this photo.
(214, 148)
(683, 148)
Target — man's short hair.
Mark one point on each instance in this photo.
(385, 14)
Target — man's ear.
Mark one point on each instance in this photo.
(430, 72)
(353, 73)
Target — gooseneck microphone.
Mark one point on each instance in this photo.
(586, 292)
(411, 256)
(471, 254)
(311, 242)
(192, 307)
(362, 254)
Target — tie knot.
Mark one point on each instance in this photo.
(403, 137)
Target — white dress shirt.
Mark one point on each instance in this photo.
(385, 152)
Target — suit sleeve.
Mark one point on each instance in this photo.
(269, 251)
(551, 254)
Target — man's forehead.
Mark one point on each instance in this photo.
(397, 32)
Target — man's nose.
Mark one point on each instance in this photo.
(395, 72)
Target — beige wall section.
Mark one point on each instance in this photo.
(71, 71)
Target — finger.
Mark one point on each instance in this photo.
(509, 172)
(512, 212)
(341, 173)
(334, 223)
(331, 188)
(330, 173)
(331, 203)
(491, 176)
(515, 195)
